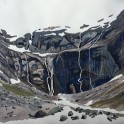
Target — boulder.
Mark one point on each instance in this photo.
(83, 117)
(70, 113)
(63, 118)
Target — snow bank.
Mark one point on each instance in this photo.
(89, 103)
(44, 54)
(13, 47)
(1, 72)
(116, 77)
(13, 81)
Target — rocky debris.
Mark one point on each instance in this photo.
(100, 20)
(115, 116)
(109, 118)
(81, 110)
(110, 15)
(14, 107)
(83, 117)
(11, 102)
(77, 109)
(40, 114)
(55, 110)
(63, 118)
(93, 114)
(75, 117)
(67, 27)
(84, 26)
(70, 113)
(59, 99)
(100, 112)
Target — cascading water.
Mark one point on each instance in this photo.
(47, 80)
(90, 71)
(92, 43)
(49, 67)
(27, 70)
(79, 80)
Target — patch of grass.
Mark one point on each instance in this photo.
(18, 91)
(117, 87)
(114, 102)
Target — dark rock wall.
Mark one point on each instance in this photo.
(67, 70)
(102, 68)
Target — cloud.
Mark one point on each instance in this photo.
(21, 16)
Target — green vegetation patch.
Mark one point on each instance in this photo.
(18, 91)
(114, 102)
(116, 88)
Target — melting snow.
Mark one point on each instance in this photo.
(13, 47)
(13, 81)
(44, 54)
(1, 72)
(116, 77)
(89, 103)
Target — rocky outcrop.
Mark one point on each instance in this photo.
(61, 62)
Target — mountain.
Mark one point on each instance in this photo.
(60, 62)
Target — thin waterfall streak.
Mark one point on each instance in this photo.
(27, 70)
(50, 68)
(79, 80)
(47, 77)
(60, 57)
(52, 89)
(90, 71)
(90, 57)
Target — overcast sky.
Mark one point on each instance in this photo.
(21, 16)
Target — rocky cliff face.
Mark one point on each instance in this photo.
(60, 62)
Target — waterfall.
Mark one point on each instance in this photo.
(27, 67)
(47, 80)
(79, 80)
(49, 66)
(89, 71)
(92, 43)
(51, 77)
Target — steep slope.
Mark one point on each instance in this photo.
(69, 63)
(109, 95)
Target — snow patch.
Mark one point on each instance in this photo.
(1, 72)
(62, 34)
(13, 81)
(44, 54)
(30, 42)
(50, 34)
(89, 103)
(116, 77)
(13, 47)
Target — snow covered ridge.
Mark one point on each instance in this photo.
(13, 81)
